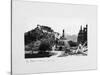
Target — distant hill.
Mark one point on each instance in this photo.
(38, 33)
(71, 37)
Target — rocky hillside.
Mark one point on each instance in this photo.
(71, 38)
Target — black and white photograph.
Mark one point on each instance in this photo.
(45, 41)
(53, 37)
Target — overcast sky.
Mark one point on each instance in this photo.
(70, 25)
